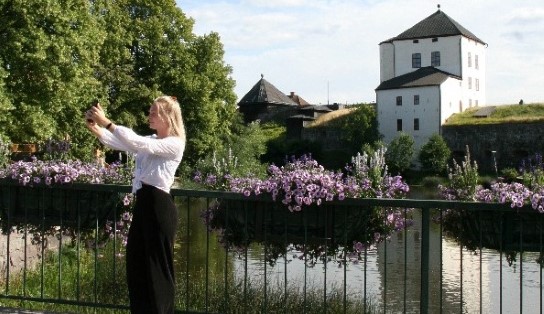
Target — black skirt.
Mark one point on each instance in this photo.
(150, 246)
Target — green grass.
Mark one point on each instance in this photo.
(502, 114)
(73, 278)
(79, 281)
(251, 298)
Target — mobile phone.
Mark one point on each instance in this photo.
(95, 104)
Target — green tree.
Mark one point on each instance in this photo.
(60, 55)
(360, 127)
(400, 153)
(5, 103)
(240, 156)
(434, 155)
(49, 49)
(150, 50)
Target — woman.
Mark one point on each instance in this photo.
(150, 269)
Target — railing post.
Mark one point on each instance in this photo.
(425, 220)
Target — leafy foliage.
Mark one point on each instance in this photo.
(60, 55)
(434, 155)
(49, 50)
(462, 180)
(400, 152)
(359, 127)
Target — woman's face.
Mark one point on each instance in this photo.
(155, 121)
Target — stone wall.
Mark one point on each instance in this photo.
(507, 143)
(330, 138)
(17, 253)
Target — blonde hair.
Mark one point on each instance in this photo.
(170, 111)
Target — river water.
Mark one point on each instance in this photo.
(470, 282)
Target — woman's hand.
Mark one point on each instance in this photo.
(97, 115)
(94, 127)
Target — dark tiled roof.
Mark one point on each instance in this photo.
(426, 76)
(301, 117)
(439, 24)
(319, 108)
(264, 92)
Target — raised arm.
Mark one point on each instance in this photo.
(169, 147)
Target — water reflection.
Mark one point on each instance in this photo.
(462, 281)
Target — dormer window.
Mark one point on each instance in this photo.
(415, 41)
(416, 60)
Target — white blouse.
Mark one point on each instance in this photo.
(156, 158)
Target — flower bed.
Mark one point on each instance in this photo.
(300, 215)
(30, 201)
(519, 229)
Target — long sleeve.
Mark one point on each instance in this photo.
(111, 141)
(156, 158)
(169, 147)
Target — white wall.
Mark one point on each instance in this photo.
(451, 94)
(427, 112)
(450, 54)
(387, 61)
(472, 95)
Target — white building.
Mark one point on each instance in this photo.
(427, 73)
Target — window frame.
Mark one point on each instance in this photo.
(435, 58)
(399, 100)
(416, 100)
(416, 60)
(399, 125)
(416, 124)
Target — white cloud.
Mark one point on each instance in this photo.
(306, 45)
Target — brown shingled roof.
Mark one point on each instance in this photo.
(265, 92)
(299, 100)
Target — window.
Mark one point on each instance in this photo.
(416, 124)
(399, 100)
(476, 66)
(477, 83)
(399, 124)
(415, 41)
(416, 99)
(469, 60)
(470, 103)
(470, 83)
(435, 58)
(416, 60)
(435, 40)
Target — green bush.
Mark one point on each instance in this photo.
(434, 155)
(509, 174)
(400, 153)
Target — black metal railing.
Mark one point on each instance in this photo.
(239, 254)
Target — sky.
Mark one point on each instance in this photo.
(327, 51)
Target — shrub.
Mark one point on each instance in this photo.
(462, 180)
(400, 153)
(434, 155)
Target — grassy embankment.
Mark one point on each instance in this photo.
(502, 114)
